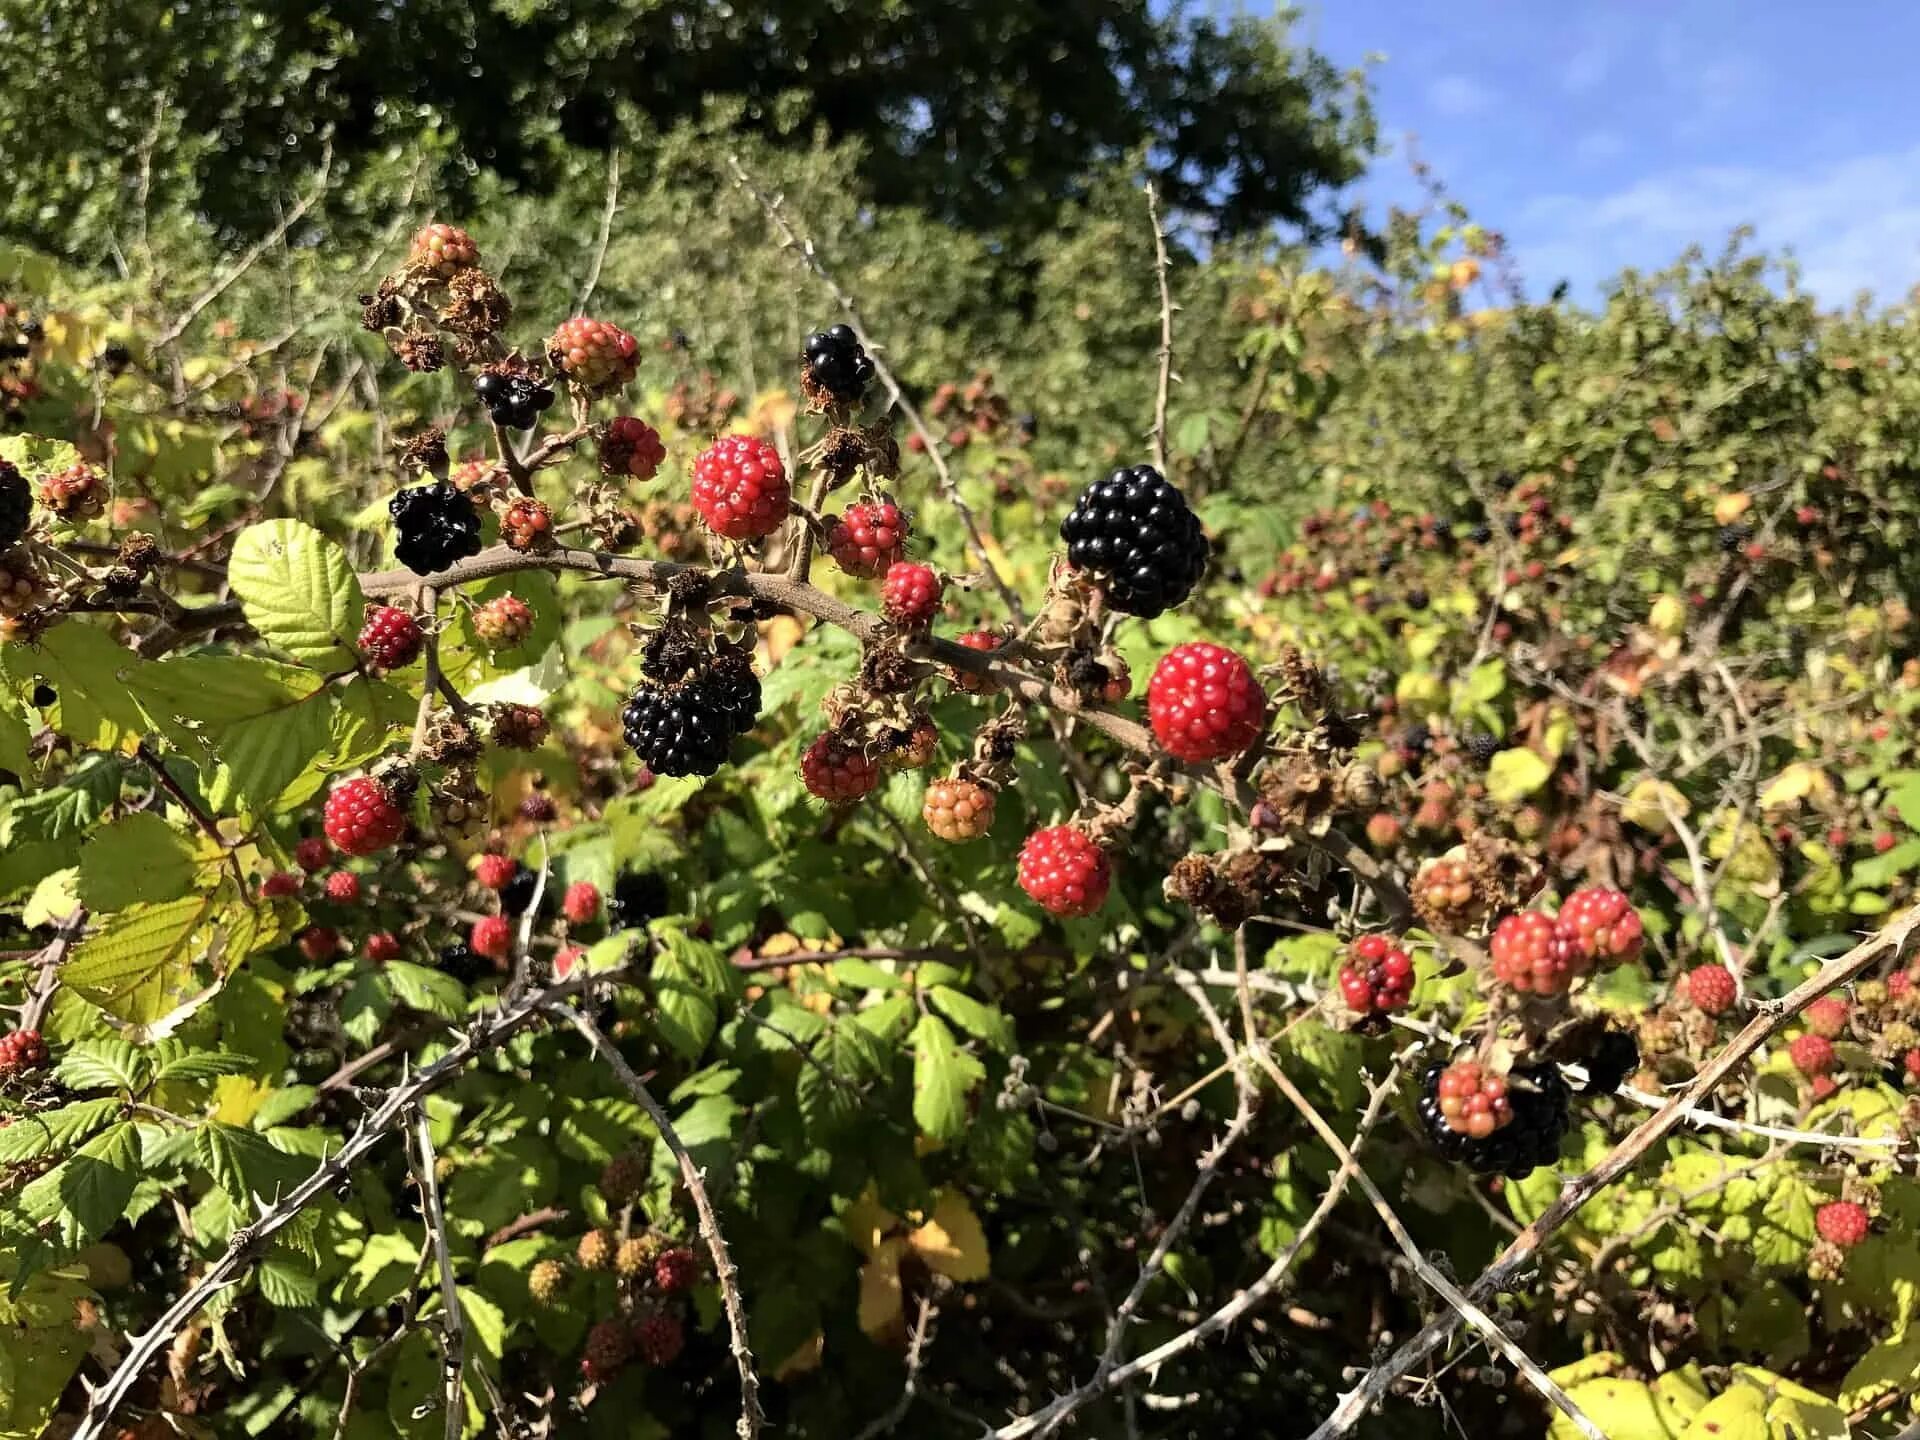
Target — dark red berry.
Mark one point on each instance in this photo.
(1065, 871)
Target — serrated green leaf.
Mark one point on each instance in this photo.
(865, 975)
(139, 858)
(141, 965)
(251, 725)
(424, 988)
(92, 676)
(44, 1321)
(288, 1283)
(28, 1137)
(83, 1196)
(299, 591)
(104, 1062)
(980, 1020)
(66, 810)
(943, 1077)
(246, 1164)
(175, 1061)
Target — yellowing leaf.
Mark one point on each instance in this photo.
(952, 1241)
(1668, 615)
(1642, 806)
(238, 1098)
(868, 1222)
(1420, 691)
(1799, 781)
(1515, 774)
(881, 1312)
(1739, 1414)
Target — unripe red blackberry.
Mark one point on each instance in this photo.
(280, 884)
(675, 1269)
(623, 1178)
(659, 1339)
(492, 936)
(319, 942)
(608, 1348)
(494, 870)
(1842, 1223)
(910, 595)
(1524, 957)
(596, 356)
(78, 492)
(547, 1284)
(565, 958)
(958, 809)
(343, 887)
(313, 853)
(595, 1250)
(1378, 977)
(517, 727)
(740, 488)
(1712, 988)
(1601, 924)
(1065, 871)
(837, 772)
(362, 816)
(1205, 703)
(1473, 1100)
(390, 638)
(1827, 1016)
(538, 807)
(382, 946)
(526, 525)
(581, 904)
(21, 1051)
(503, 622)
(867, 538)
(1812, 1055)
(631, 449)
(985, 641)
(442, 251)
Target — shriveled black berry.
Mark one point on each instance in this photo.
(1732, 537)
(837, 363)
(1616, 1055)
(1538, 1098)
(688, 726)
(638, 896)
(1480, 534)
(1482, 746)
(436, 526)
(1417, 600)
(16, 506)
(1138, 536)
(517, 894)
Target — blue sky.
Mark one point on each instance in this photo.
(1601, 135)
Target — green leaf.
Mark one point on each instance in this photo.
(424, 988)
(30, 1136)
(245, 1163)
(299, 591)
(864, 975)
(175, 1061)
(141, 965)
(66, 810)
(138, 858)
(87, 1192)
(979, 1020)
(287, 1283)
(42, 1318)
(1512, 775)
(943, 1076)
(105, 1063)
(91, 674)
(252, 725)
(689, 976)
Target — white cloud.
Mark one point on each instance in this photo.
(1852, 225)
(1454, 95)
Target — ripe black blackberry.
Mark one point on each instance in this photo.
(837, 363)
(1417, 738)
(436, 525)
(1418, 600)
(1531, 1138)
(1732, 537)
(513, 399)
(638, 896)
(1482, 746)
(16, 506)
(1137, 535)
(687, 727)
(1615, 1056)
(1480, 534)
(462, 963)
(516, 896)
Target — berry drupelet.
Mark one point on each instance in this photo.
(435, 527)
(1535, 1101)
(1136, 535)
(1377, 978)
(688, 726)
(514, 399)
(1063, 869)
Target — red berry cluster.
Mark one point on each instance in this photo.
(631, 449)
(495, 871)
(526, 524)
(1841, 1222)
(1812, 1055)
(1378, 976)
(20, 1052)
(837, 772)
(443, 251)
(361, 817)
(581, 903)
(1524, 957)
(503, 622)
(1601, 924)
(868, 538)
(1205, 703)
(593, 354)
(1712, 988)
(740, 488)
(492, 936)
(76, 493)
(910, 595)
(1827, 1016)
(1065, 871)
(986, 642)
(1473, 1099)
(1536, 954)
(390, 638)
(958, 809)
